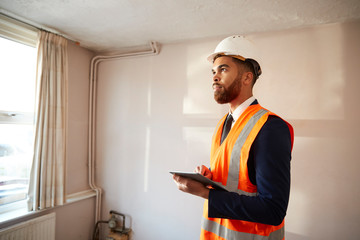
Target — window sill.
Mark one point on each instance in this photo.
(13, 210)
(17, 210)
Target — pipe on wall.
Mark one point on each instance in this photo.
(92, 115)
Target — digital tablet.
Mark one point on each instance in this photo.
(200, 178)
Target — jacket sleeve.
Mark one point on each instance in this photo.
(271, 153)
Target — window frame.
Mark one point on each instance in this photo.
(22, 33)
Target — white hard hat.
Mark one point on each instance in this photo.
(241, 48)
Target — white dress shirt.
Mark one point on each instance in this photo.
(240, 109)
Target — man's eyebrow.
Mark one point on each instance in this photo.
(220, 66)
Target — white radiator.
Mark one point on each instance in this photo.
(40, 228)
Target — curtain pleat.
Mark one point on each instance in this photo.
(47, 178)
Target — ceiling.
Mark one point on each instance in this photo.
(110, 25)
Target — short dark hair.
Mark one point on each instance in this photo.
(247, 65)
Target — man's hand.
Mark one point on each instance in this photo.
(194, 187)
(203, 170)
(191, 186)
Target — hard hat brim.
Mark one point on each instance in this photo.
(253, 62)
(211, 57)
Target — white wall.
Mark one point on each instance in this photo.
(312, 80)
(77, 141)
(77, 220)
(157, 114)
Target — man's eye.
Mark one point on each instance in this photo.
(223, 69)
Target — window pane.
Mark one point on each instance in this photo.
(17, 76)
(17, 104)
(16, 148)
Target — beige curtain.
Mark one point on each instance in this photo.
(47, 179)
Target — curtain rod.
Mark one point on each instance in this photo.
(35, 25)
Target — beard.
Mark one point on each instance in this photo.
(227, 94)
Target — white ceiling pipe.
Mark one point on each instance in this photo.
(92, 116)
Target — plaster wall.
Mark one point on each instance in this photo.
(157, 114)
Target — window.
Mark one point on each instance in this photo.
(17, 105)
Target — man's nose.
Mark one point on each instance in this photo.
(216, 78)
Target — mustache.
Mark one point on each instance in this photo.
(216, 84)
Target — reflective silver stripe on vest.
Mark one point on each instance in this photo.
(229, 234)
(234, 166)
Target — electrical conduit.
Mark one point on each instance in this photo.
(92, 116)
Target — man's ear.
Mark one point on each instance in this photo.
(248, 78)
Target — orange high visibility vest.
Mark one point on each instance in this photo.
(229, 167)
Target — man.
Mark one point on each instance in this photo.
(250, 154)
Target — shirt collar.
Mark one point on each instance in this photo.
(241, 108)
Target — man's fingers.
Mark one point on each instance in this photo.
(204, 170)
(181, 182)
(191, 186)
(201, 169)
(177, 178)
